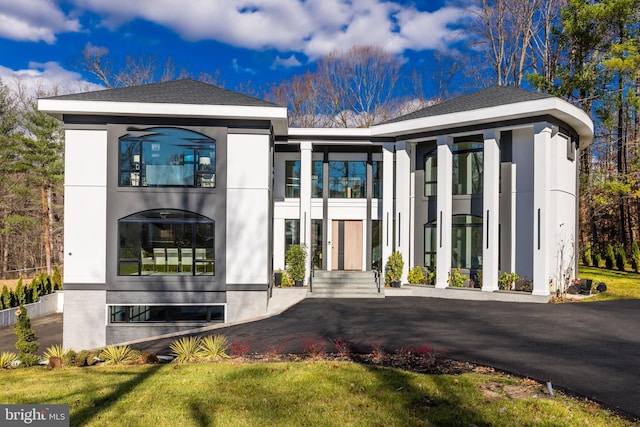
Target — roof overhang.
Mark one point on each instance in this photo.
(58, 108)
(574, 117)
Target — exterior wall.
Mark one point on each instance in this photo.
(84, 319)
(522, 150)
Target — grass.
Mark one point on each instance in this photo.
(620, 284)
(321, 393)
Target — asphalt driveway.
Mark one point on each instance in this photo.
(592, 349)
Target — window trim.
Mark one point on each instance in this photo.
(112, 322)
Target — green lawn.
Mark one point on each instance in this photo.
(312, 393)
(620, 284)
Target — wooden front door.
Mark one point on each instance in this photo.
(346, 245)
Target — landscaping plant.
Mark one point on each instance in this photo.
(609, 257)
(621, 258)
(7, 360)
(635, 257)
(186, 349)
(393, 268)
(116, 355)
(456, 278)
(416, 275)
(26, 344)
(213, 347)
(295, 260)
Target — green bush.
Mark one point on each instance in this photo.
(186, 349)
(393, 268)
(5, 298)
(116, 355)
(587, 259)
(456, 278)
(621, 257)
(597, 257)
(609, 257)
(26, 344)
(635, 257)
(430, 277)
(213, 347)
(69, 358)
(82, 358)
(55, 351)
(507, 280)
(295, 260)
(93, 357)
(416, 275)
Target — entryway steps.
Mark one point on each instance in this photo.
(345, 284)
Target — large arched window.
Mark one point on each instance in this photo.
(167, 157)
(466, 241)
(166, 242)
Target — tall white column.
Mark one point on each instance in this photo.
(387, 201)
(491, 210)
(541, 194)
(444, 210)
(403, 202)
(305, 200)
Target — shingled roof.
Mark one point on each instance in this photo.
(184, 91)
(493, 96)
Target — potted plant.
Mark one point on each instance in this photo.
(295, 260)
(393, 269)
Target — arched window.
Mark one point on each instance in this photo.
(466, 241)
(166, 242)
(167, 157)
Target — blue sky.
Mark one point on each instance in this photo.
(255, 41)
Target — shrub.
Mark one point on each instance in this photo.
(416, 275)
(55, 351)
(342, 347)
(621, 258)
(430, 278)
(148, 358)
(82, 358)
(69, 358)
(314, 348)
(609, 257)
(635, 257)
(286, 281)
(213, 347)
(5, 298)
(597, 257)
(118, 354)
(295, 260)
(586, 255)
(393, 268)
(506, 280)
(456, 278)
(8, 360)
(186, 349)
(93, 357)
(26, 344)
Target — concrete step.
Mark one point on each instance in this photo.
(344, 284)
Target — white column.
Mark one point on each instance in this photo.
(403, 202)
(305, 200)
(387, 201)
(491, 210)
(444, 210)
(541, 194)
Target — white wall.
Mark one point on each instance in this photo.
(248, 200)
(84, 320)
(85, 206)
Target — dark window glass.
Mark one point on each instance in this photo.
(467, 168)
(431, 174)
(466, 251)
(347, 179)
(316, 178)
(167, 157)
(166, 242)
(291, 233)
(292, 178)
(377, 180)
(164, 314)
(316, 242)
(430, 244)
(376, 244)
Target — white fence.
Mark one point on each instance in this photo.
(46, 304)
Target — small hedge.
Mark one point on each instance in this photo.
(27, 294)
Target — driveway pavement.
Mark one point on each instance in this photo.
(592, 349)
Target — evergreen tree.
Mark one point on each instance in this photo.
(26, 344)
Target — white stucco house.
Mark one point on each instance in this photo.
(181, 199)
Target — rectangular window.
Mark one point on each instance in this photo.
(467, 168)
(292, 179)
(430, 245)
(316, 178)
(466, 242)
(377, 180)
(376, 245)
(431, 174)
(347, 180)
(291, 233)
(316, 243)
(166, 313)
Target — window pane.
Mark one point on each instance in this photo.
(152, 313)
(376, 245)
(466, 242)
(292, 177)
(291, 233)
(430, 245)
(161, 157)
(347, 179)
(377, 180)
(467, 168)
(185, 313)
(316, 178)
(316, 242)
(431, 174)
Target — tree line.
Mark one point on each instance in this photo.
(585, 51)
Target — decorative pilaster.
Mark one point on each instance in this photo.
(305, 200)
(491, 210)
(541, 180)
(403, 203)
(387, 201)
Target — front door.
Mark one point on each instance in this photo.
(346, 245)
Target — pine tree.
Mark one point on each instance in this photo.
(26, 344)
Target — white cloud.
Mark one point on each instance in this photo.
(312, 27)
(34, 20)
(289, 62)
(48, 78)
